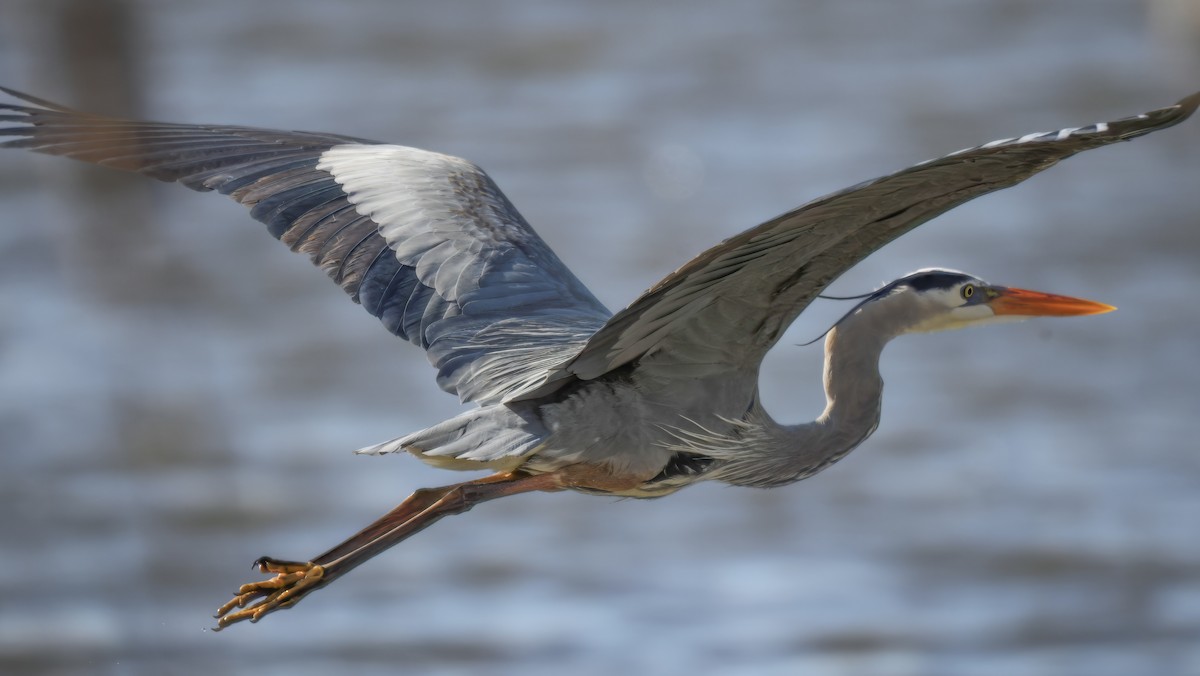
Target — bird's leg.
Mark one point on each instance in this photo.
(294, 580)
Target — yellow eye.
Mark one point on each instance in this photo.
(968, 291)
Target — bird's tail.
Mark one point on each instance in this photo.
(497, 438)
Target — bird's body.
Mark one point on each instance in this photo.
(569, 396)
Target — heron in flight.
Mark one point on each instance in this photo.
(569, 396)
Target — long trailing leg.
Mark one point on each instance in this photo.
(294, 580)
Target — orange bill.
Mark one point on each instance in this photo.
(1010, 301)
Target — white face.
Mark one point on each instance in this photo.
(959, 306)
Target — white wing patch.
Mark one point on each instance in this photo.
(507, 309)
(429, 206)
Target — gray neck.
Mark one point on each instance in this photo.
(853, 393)
(778, 454)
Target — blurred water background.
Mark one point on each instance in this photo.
(179, 393)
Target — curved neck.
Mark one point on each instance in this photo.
(853, 395)
(853, 392)
(764, 453)
(853, 386)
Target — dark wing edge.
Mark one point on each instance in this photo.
(425, 242)
(731, 303)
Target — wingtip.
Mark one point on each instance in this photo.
(18, 94)
(1189, 104)
(41, 103)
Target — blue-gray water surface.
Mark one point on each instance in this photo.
(179, 394)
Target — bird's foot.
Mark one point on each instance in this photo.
(292, 582)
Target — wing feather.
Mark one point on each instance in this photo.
(426, 242)
(729, 305)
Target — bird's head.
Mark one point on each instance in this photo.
(939, 300)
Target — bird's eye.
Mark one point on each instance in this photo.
(968, 291)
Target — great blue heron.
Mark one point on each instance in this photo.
(661, 395)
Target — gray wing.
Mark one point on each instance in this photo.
(725, 308)
(425, 242)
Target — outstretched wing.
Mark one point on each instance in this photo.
(425, 242)
(726, 307)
